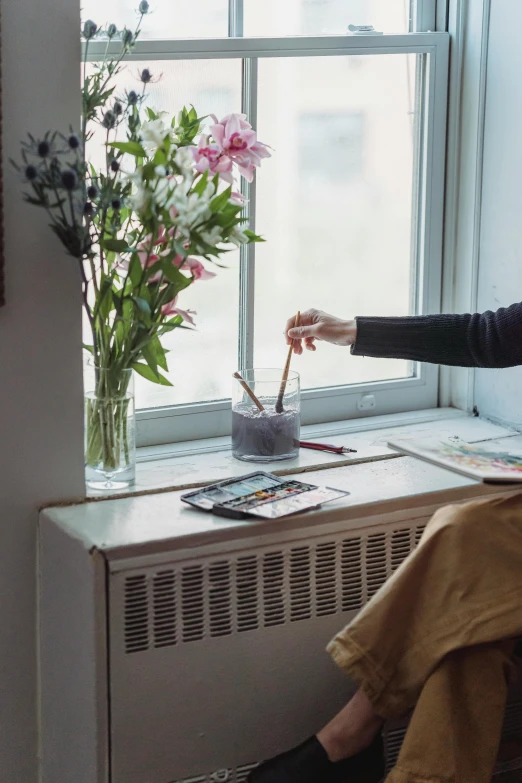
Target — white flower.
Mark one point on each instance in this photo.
(212, 237)
(210, 191)
(190, 210)
(238, 237)
(160, 171)
(185, 160)
(140, 199)
(154, 132)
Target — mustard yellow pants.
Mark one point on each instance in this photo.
(439, 637)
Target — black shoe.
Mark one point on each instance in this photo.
(309, 763)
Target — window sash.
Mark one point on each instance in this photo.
(212, 419)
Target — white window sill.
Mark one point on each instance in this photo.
(185, 465)
(381, 484)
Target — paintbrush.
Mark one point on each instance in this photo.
(282, 388)
(249, 391)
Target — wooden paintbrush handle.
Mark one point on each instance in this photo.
(282, 388)
(249, 391)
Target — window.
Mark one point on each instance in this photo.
(351, 204)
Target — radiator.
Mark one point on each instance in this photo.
(190, 664)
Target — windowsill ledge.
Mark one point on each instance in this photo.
(186, 465)
(152, 520)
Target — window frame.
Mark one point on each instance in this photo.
(212, 419)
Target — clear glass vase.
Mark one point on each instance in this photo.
(265, 429)
(110, 428)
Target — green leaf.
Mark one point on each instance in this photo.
(88, 348)
(253, 237)
(200, 186)
(142, 306)
(174, 276)
(151, 114)
(117, 303)
(114, 245)
(103, 302)
(220, 201)
(158, 353)
(145, 371)
(148, 355)
(135, 270)
(130, 147)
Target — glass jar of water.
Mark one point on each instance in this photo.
(266, 423)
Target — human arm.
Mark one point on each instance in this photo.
(490, 339)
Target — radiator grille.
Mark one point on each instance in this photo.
(238, 775)
(265, 588)
(376, 565)
(247, 591)
(136, 620)
(192, 603)
(164, 605)
(300, 584)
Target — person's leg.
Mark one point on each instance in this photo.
(455, 729)
(461, 587)
(352, 729)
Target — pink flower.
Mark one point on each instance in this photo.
(171, 309)
(238, 198)
(236, 140)
(194, 267)
(209, 157)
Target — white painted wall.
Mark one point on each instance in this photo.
(499, 393)
(40, 363)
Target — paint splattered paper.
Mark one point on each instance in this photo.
(490, 464)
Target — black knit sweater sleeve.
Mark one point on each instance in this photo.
(480, 340)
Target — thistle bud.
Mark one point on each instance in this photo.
(69, 179)
(109, 119)
(90, 29)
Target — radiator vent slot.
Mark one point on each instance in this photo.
(136, 611)
(245, 592)
(164, 606)
(192, 603)
(273, 588)
(300, 584)
(376, 570)
(513, 719)
(351, 574)
(419, 530)
(247, 576)
(400, 547)
(220, 597)
(393, 739)
(326, 579)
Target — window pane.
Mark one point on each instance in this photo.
(337, 208)
(167, 19)
(316, 17)
(201, 362)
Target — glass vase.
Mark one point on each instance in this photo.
(265, 429)
(110, 428)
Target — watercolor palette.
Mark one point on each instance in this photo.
(260, 495)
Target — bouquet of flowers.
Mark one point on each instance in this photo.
(165, 201)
